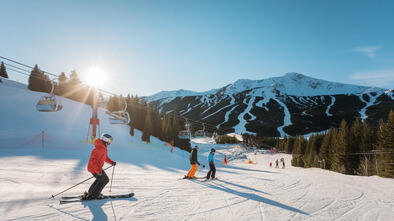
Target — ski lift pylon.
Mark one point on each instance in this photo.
(49, 103)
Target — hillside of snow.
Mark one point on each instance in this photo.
(33, 169)
(293, 104)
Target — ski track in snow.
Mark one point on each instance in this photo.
(210, 105)
(329, 106)
(216, 112)
(295, 101)
(305, 102)
(240, 127)
(310, 99)
(286, 119)
(371, 102)
(227, 116)
(263, 102)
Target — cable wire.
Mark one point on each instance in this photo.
(140, 106)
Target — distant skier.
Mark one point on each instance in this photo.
(277, 163)
(211, 160)
(283, 165)
(193, 162)
(95, 166)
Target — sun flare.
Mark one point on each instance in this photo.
(95, 77)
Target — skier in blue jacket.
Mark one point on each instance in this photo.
(211, 161)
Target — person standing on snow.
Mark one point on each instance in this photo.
(193, 161)
(211, 160)
(95, 166)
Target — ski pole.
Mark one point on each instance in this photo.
(112, 177)
(200, 170)
(53, 196)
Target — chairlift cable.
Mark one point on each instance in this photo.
(194, 122)
(17, 71)
(27, 66)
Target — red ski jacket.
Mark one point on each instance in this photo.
(98, 157)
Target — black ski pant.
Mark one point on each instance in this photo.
(212, 171)
(98, 185)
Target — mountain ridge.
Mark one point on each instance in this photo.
(294, 80)
(288, 105)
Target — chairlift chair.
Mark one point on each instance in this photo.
(200, 133)
(49, 103)
(120, 117)
(185, 134)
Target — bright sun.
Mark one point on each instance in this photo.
(94, 77)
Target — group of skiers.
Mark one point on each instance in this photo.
(193, 161)
(99, 155)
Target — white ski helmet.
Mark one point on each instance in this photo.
(107, 138)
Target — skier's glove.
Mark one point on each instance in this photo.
(113, 163)
(98, 174)
(203, 166)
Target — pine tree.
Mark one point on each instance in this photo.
(338, 149)
(312, 149)
(3, 71)
(385, 152)
(290, 144)
(156, 123)
(62, 89)
(147, 132)
(309, 151)
(37, 80)
(352, 158)
(324, 153)
(299, 152)
(366, 144)
(129, 110)
(74, 87)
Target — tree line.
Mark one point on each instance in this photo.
(150, 121)
(71, 87)
(354, 149)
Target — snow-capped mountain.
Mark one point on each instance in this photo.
(291, 104)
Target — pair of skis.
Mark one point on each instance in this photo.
(197, 178)
(74, 199)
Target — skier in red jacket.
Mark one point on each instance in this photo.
(95, 166)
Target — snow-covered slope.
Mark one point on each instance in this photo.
(31, 172)
(288, 105)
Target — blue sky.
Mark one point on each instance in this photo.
(148, 46)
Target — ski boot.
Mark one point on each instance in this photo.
(86, 196)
